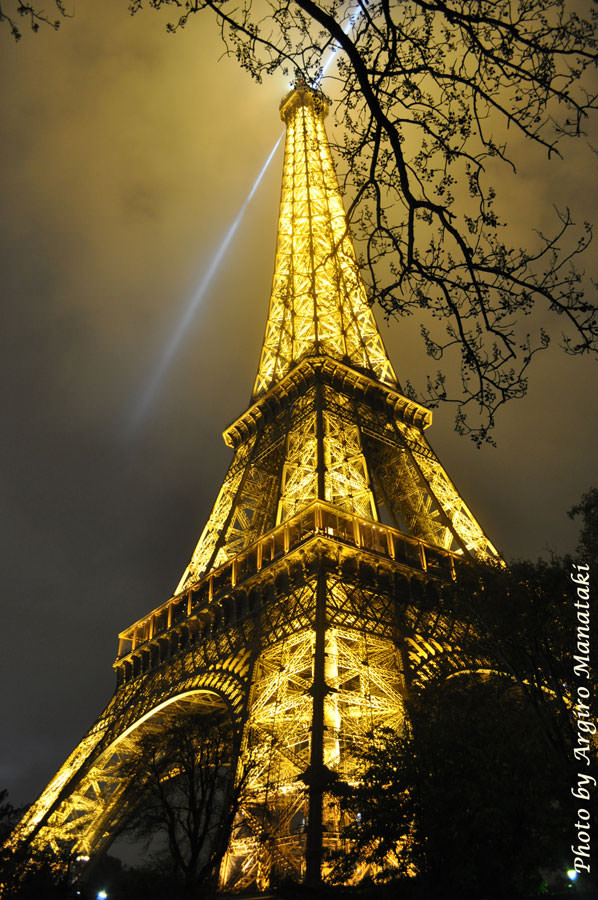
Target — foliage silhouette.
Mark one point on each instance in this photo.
(186, 796)
(468, 800)
(474, 796)
(28, 874)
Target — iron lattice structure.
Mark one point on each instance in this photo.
(300, 610)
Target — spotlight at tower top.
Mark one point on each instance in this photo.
(190, 310)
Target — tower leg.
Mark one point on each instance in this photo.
(317, 769)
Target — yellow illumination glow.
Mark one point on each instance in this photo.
(326, 456)
(318, 303)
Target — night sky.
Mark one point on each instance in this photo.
(126, 155)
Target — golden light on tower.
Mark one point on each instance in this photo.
(298, 611)
(319, 303)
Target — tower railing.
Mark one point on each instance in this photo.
(317, 520)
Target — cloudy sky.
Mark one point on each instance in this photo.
(126, 156)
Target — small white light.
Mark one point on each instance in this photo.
(571, 874)
(101, 895)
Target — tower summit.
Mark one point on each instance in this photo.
(298, 618)
(318, 304)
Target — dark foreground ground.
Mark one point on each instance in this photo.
(394, 891)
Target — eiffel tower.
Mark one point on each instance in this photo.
(300, 611)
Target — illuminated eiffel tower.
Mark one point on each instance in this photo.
(301, 610)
